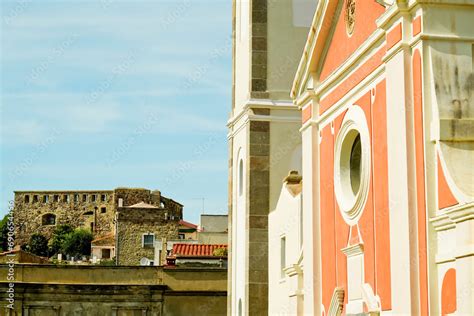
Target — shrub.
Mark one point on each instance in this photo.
(38, 245)
(56, 241)
(107, 262)
(77, 243)
(220, 252)
(4, 233)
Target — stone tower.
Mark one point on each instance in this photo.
(264, 138)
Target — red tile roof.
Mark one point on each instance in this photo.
(195, 250)
(187, 224)
(107, 240)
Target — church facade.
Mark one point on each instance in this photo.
(370, 207)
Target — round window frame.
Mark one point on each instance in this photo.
(352, 205)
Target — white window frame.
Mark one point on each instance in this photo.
(143, 239)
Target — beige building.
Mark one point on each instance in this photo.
(213, 229)
(103, 248)
(140, 226)
(285, 249)
(187, 230)
(264, 138)
(46, 290)
(125, 222)
(42, 211)
(380, 222)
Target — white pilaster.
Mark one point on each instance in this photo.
(312, 233)
(402, 205)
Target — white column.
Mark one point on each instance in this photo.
(311, 222)
(401, 186)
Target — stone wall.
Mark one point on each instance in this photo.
(133, 223)
(76, 208)
(81, 209)
(134, 196)
(257, 217)
(96, 290)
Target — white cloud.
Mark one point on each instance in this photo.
(23, 131)
(40, 114)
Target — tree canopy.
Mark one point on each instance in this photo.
(38, 245)
(58, 237)
(77, 243)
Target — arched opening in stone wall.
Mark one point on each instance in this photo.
(48, 219)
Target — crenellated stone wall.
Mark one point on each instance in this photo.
(41, 211)
(77, 208)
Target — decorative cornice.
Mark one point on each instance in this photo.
(293, 270)
(261, 104)
(453, 215)
(337, 302)
(353, 250)
(442, 222)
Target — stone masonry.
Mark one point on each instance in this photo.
(42, 211)
(134, 222)
(257, 218)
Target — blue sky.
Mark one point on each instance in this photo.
(102, 94)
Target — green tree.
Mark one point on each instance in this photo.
(38, 245)
(4, 233)
(77, 243)
(58, 237)
(220, 252)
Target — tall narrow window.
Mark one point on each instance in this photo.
(76, 198)
(241, 177)
(27, 199)
(56, 198)
(282, 257)
(66, 198)
(93, 197)
(84, 198)
(103, 197)
(45, 198)
(35, 199)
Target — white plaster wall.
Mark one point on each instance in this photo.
(285, 154)
(287, 32)
(239, 233)
(242, 54)
(284, 220)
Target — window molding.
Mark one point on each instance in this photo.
(351, 205)
(147, 245)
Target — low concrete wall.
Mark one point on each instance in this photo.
(23, 257)
(104, 290)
